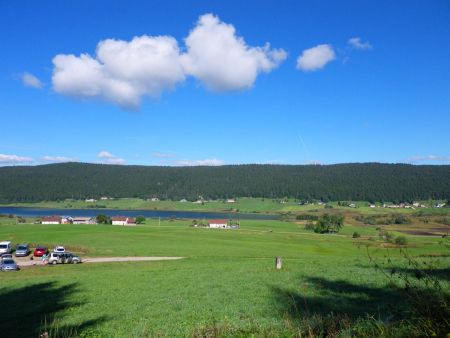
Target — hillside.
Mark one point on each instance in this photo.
(361, 181)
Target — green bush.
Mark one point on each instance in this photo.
(356, 234)
(401, 240)
(329, 224)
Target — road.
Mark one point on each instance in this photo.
(23, 262)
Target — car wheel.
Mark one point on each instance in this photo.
(54, 262)
(75, 262)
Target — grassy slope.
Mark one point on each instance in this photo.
(227, 278)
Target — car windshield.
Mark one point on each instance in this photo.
(3, 246)
(8, 261)
(21, 247)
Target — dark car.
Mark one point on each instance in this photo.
(40, 251)
(22, 250)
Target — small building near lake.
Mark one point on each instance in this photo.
(84, 220)
(123, 220)
(51, 220)
(218, 223)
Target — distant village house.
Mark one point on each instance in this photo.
(51, 220)
(218, 223)
(123, 220)
(83, 220)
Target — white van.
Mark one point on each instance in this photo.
(5, 247)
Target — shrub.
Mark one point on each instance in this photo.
(356, 234)
(401, 240)
(140, 219)
(329, 224)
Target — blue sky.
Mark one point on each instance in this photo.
(220, 95)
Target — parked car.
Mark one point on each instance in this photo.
(5, 247)
(22, 250)
(63, 258)
(40, 251)
(7, 256)
(59, 249)
(8, 265)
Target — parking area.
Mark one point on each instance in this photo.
(26, 262)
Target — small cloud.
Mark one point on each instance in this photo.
(315, 58)
(357, 44)
(58, 159)
(14, 159)
(162, 155)
(431, 158)
(30, 80)
(208, 162)
(109, 158)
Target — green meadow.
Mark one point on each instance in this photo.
(243, 204)
(226, 285)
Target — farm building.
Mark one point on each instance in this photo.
(123, 220)
(218, 223)
(51, 220)
(84, 220)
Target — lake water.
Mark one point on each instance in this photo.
(39, 212)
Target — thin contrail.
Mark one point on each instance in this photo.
(304, 146)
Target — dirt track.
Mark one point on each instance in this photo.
(27, 262)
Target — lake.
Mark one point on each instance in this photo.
(39, 212)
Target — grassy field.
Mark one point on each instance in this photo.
(244, 204)
(226, 285)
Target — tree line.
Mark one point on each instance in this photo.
(357, 181)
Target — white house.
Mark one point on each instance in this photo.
(122, 220)
(83, 220)
(90, 200)
(231, 200)
(51, 220)
(218, 223)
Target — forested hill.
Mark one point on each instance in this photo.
(365, 181)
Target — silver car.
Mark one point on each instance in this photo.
(9, 265)
(22, 250)
(63, 258)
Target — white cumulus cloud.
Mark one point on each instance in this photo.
(58, 159)
(315, 58)
(207, 162)
(223, 61)
(358, 44)
(30, 80)
(109, 158)
(122, 72)
(14, 159)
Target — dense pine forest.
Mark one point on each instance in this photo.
(361, 181)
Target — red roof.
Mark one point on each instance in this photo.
(51, 219)
(119, 218)
(218, 221)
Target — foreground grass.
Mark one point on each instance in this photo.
(226, 284)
